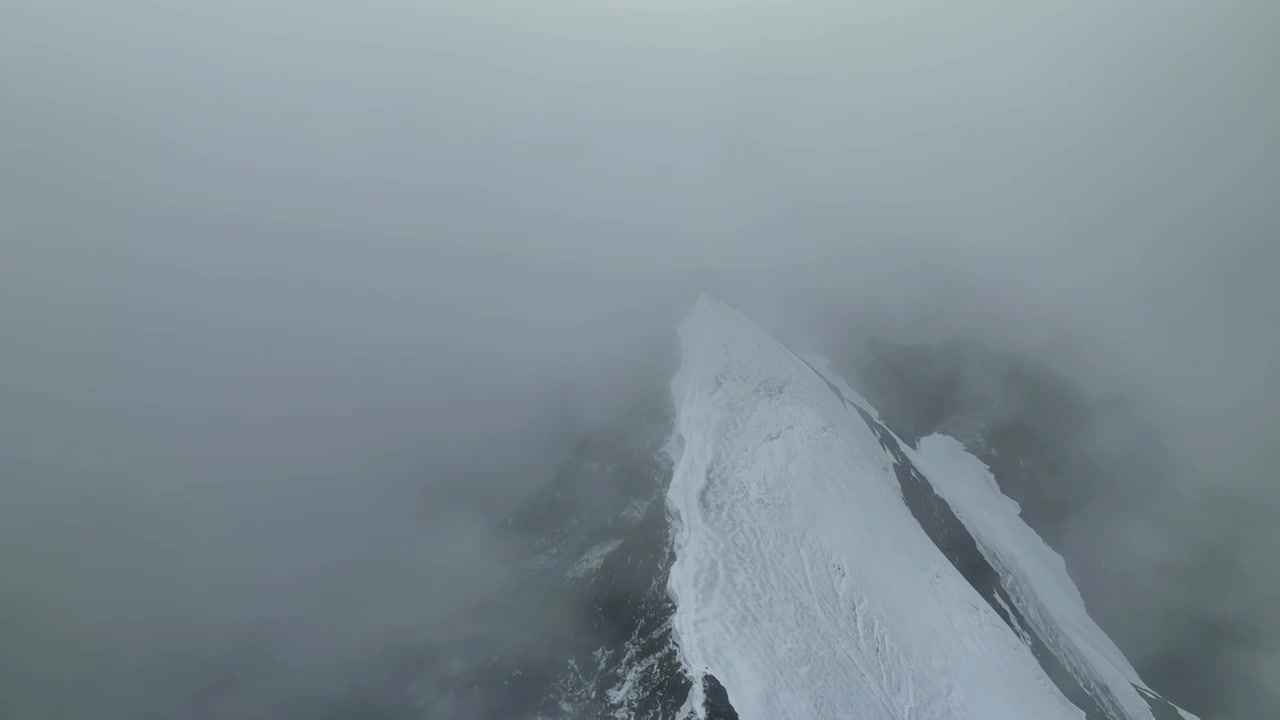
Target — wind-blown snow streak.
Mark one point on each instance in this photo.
(593, 559)
(812, 584)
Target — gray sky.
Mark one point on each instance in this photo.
(272, 274)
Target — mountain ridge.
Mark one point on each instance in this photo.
(761, 545)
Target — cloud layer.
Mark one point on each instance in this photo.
(292, 292)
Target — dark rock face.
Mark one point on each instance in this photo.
(586, 631)
(717, 705)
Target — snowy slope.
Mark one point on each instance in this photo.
(1035, 575)
(824, 570)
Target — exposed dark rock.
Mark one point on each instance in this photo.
(716, 704)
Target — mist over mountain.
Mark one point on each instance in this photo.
(299, 301)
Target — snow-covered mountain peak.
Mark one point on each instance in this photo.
(760, 545)
(824, 569)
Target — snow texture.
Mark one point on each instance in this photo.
(805, 586)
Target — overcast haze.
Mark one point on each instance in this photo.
(294, 294)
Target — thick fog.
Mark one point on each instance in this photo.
(296, 296)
